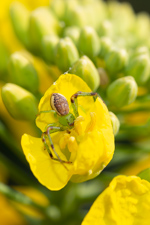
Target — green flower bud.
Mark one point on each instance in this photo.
(4, 56)
(105, 28)
(72, 32)
(58, 8)
(89, 43)
(49, 44)
(22, 72)
(122, 91)
(76, 16)
(85, 69)
(96, 6)
(145, 174)
(106, 45)
(96, 13)
(20, 21)
(66, 54)
(115, 123)
(116, 60)
(122, 16)
(42, 22)
(21, 104)
(139, 68)
(140, 51)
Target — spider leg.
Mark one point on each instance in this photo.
(47, 111)
(52, 125)
(52, 129)
(78, 94)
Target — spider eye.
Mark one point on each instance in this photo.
(59, 104)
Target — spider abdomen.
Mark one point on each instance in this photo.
(59, 104)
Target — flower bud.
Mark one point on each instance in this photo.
(72, 32)
(140, 51)
(85, 69)
(116, 60)
(105, 28)
(58, 8)
(48, 48)
(21, 104)
(76, 16)
(115, 122)
(89, 43)
(66, 54)
(106, 45)
(122, 91)
(122, 16)
(42, 22)
(22, 72)
(20, 20)
(4, 56)
(139, 68)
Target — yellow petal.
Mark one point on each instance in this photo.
(50, 173)
(125, 201)
(96, 148)
(67, 85)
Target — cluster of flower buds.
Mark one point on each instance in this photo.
(107, 46)
(99, 48)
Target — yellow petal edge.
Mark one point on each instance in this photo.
(125, 201)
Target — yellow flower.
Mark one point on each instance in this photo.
(89, 145)
(137, 166)
(137, 118)
(7, 33)
(125, 201)
(8, 214)
(14, 213)
(37, 196)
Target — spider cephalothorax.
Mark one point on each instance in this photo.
(66, 119)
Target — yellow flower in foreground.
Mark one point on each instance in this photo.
(137, 166)
(125, 201)
(37, 196)
(8, 214)
(89, 145)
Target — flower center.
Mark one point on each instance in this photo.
(69, 143)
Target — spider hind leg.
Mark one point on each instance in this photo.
(46, 135)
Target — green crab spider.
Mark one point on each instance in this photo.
(60, 107)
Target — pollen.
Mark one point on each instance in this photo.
(92, 123)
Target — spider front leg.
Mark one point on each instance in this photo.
(78, 94)
(45, 135)
(47, 111)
